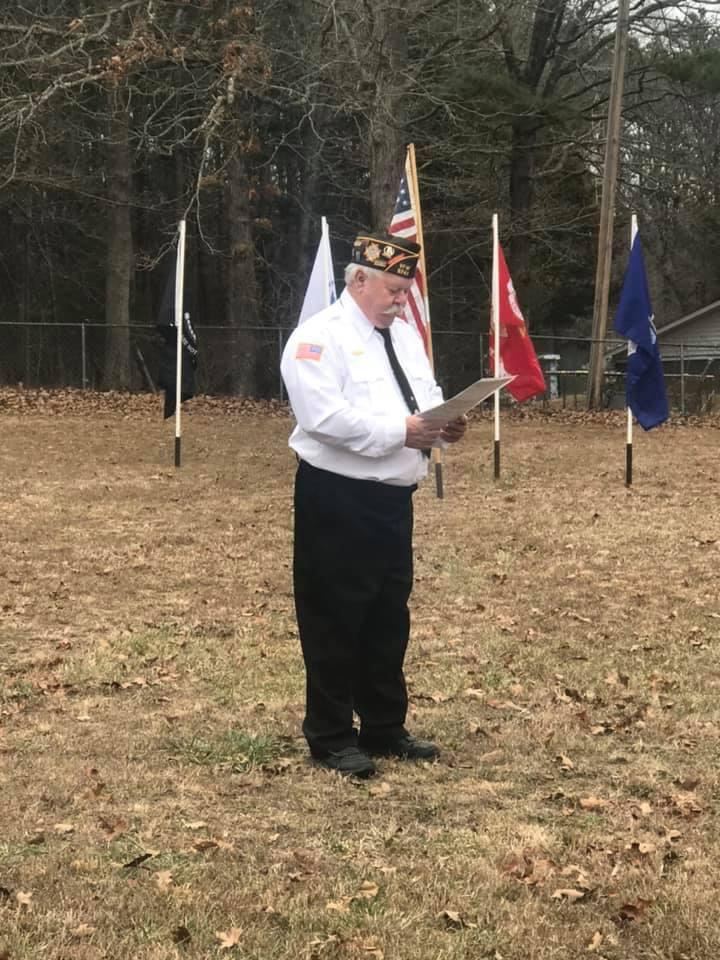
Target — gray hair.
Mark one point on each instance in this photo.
(350, 271)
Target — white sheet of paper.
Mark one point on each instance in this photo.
(464, 401)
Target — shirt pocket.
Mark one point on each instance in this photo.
(367, 388)
(421, 381)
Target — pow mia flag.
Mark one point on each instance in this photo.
(167, 373)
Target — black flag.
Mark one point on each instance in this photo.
(167, 374)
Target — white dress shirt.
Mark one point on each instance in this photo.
(349, 409)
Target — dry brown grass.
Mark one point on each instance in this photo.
(564, 653)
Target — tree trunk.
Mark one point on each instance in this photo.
(387, 161)
(522, 194)
(242, 301)
(387, 148)
(119, 248)
(307, 220)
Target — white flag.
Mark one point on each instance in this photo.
(320, 291)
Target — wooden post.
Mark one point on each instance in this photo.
(607, 211)
(412, 182)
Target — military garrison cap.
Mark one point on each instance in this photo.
(387, 253)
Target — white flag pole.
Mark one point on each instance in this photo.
(179, 287)
(325, 237)
(629, 437)
(320, 290)
(495, 321)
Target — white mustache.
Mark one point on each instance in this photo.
(393, 311)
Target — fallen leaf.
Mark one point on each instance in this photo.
(317, 946)
(379, 790)
(229, 938)
(542, 870)
(638, 846)
(595, 942)
(580, 880)
(136, 861)
(634, 911)
(194, 824)
(504, 705)
(687, 804)
(113, 828)
(206, 844)
(372, 948)
(280, 765)
(367, 891)
(96, 788)
(339, 906)
(452, 918)
(477, 729)
(592, 803)
(565, 762)
(569, 894)
(64, 828)
(164, 879)
(614, 678)
(83, 930)
(23, 899)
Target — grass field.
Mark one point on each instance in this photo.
(155, 796)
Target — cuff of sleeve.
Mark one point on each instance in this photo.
(396, 435)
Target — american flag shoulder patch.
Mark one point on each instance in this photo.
(309, 351)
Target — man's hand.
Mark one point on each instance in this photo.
(421, 434)
(454, 430)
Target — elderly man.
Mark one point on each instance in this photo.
(356, 380)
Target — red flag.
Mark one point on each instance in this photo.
(517, 354)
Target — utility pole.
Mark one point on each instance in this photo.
(596, 369)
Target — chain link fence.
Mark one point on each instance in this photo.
(247, 360)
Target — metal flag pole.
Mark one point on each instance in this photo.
(629, 436)
(495, 321)
(179, 285)
(413, 187)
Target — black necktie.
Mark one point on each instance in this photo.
(402, 380)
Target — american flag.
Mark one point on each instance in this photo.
(404, 224)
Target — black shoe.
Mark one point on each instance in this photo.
(403, 746)
(348, 762)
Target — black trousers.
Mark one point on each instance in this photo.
(353, 576)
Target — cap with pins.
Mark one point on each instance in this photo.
(387, 253)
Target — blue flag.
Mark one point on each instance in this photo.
(644, 383)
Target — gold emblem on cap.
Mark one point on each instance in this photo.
(372, 252)
(388, 251)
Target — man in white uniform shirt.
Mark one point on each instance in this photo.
(355, 380)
